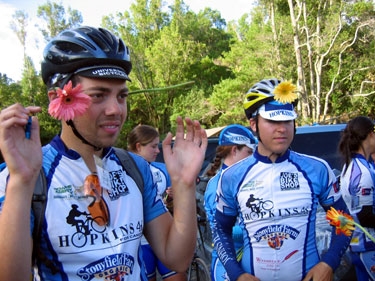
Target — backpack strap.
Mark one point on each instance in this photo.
(38, 205)
(130, 167)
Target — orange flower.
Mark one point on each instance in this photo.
(70, 102)
(343, 222)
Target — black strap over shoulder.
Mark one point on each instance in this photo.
(38, 205)
(130, 166)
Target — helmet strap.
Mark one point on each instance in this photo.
(257, 128)
(78, 135)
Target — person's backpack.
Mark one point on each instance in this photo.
(39, 201)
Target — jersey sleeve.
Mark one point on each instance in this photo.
(210, 198)
(330, 196)
(163, 168)
(222, 227)
(224, 244)
(3, 182)
(226, 197)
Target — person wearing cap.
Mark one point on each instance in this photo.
(357, 179)
(279, 228)
(236, 142)
(86, 70)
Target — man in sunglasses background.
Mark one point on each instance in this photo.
(86, 70)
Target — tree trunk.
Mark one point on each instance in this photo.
(299, 61)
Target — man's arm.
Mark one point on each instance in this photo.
(16, 241)
(173, 238)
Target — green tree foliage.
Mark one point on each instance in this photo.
(139, 28)
(34, 92)
(203, 39)
(56, 20)
(9, 91)
(251, 57)
(326, 47)
(169, 49)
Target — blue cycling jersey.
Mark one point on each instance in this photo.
(218, 272)
(161, 176)
(277, 206)
(357, 186)
(92, 252)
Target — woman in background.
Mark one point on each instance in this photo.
(144, 141)
(236, 142)
(356, 145)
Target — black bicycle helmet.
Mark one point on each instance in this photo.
(259, 94)
(82, 47)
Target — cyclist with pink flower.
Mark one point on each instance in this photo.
(86, 71)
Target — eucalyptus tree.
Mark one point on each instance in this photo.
(19, 25)
(31, 85)
(352, 80)
(327, 49)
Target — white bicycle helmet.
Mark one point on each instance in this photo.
(262, 93)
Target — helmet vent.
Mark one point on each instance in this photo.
(82, 47)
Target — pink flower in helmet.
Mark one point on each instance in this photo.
(70, 102)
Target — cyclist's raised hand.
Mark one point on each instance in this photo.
(174, 239)
(23, 157)
(14, 144)
(184, 160)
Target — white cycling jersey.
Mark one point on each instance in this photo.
(357, 186)
(277, 206)
(161, 176)
(110, 252)
(162, 180)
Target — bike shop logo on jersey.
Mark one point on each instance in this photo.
(289, 181)
(276, 234)
(113, 267)
(118, 185)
